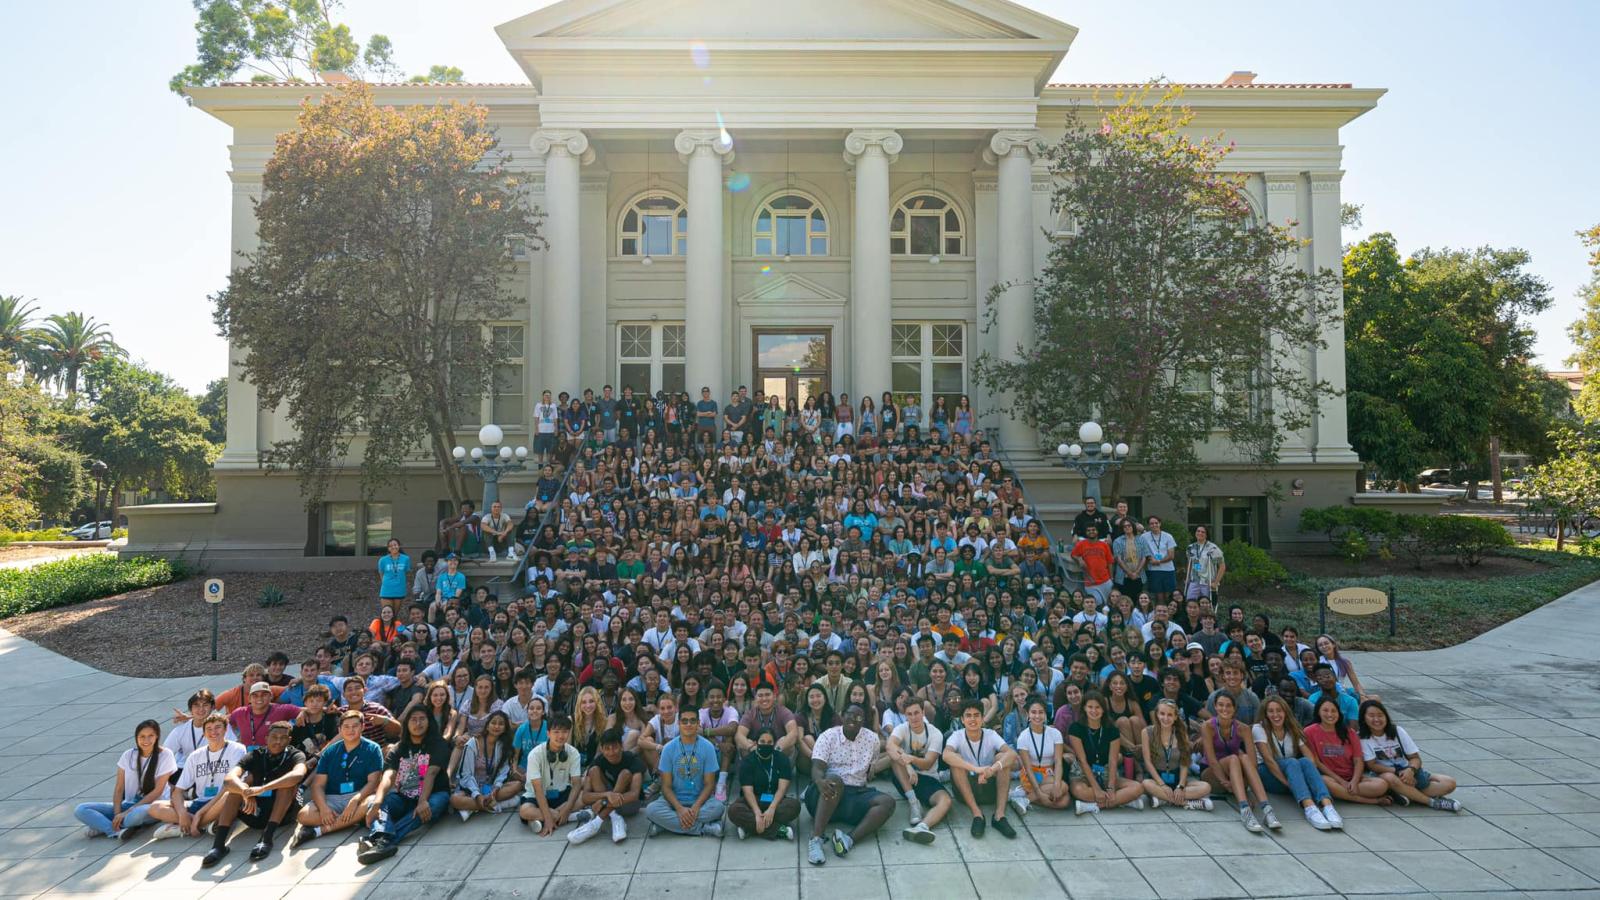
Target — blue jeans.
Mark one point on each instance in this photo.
(661, 813)
(1305, 782)
(99, 815)
(398, 815)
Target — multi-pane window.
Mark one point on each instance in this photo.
(507, 388)
(791, 225)
(466, 400)
(1231, 392)
(1229, 519)
(926, 225)
(928, 360)
(655, 224)
(650, 357)
(348, 525)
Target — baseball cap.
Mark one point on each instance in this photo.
(1194, 645)
(260, 686)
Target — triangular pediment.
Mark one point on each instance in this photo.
(790, 288)
(765, 20)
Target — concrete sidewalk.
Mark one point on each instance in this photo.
(1513, 714)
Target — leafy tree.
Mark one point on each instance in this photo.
(282, 40)
(1438, 351)
(1567, 485)
(386, 240)
(147, 429)
(20, 338)
(214, 406)
(72, 341)
(48, 473)
(1171, 314)
(1586, 332)
(440, 75)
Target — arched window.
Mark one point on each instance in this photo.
(654, 224)
(927, 225)
(791, 224)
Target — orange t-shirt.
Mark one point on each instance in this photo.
(1097, 561)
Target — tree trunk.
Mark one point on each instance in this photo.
(1494, 468)
(1561, 533)
(1472, 487)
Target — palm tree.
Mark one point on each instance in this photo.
(20, 341)
(72, 341)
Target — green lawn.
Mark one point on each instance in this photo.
(1433, 611)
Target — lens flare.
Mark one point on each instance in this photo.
(739, 182)
(765, 270)
(700, 54)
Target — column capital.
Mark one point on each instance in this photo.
(563, 141)
(1282, 182)
(858, 143)
(1004, 143)
(1325, 182)
(692, 142)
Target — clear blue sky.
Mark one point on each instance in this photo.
(114, 197)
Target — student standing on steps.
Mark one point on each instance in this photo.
(915, 747)
(980, 764)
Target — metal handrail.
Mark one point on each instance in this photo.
(1010, 466)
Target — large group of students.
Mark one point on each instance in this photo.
(721, 617)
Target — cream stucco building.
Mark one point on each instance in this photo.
(857, 175)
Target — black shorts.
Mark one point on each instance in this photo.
(853, 804)
(927, 788)
(263, 814)
(552, 799)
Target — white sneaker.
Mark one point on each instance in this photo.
(919, 834)
(916, 810)
(1139, 802)
(1019, 800)
(1206, 804)
(1155, 802)
(1332, 817)
(167, 831)
(491, 554)
(739, 830)
(619, 829)
(465, 814)
(1083, 807)
(1315, 817)
(90, 831)
(585, 831)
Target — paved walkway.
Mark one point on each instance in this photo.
(1514, 714)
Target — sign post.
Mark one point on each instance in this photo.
(1358, 601)
(213, 598)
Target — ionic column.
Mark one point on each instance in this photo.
(705, 151)
(1012, 154)
(871, 286)
(1327, 251)
(564, 153)
(244, 417)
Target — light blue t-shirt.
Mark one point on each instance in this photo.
(451, 586)
(689, 766)
(1153, 547)
(393, 572)
(348, 770)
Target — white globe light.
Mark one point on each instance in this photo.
(934, 259)
(1064, 450)
(490, 435)
(647, 261)
(505, 452)
(522, 452)
(1122, 449)
(1090, 432)
(1074, 451)
(477, 453)
(459, 453)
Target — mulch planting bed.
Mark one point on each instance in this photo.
(165, 631)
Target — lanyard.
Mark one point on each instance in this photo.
(1038, 745)
(347, 761)
(1094, 734)
(250, 719)
(211, 763)
(977, 760)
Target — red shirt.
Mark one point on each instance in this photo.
(1097, 560)
(252, 729)
(1339, 756)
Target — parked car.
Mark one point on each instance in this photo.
(1434, 476)
(92, 531)
(1515, 484)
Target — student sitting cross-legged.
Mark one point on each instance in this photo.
(261, 792)
(344, 788)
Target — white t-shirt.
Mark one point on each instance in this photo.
(166, 764)
(1040, 747)
(204, 770)
(183, 739)
(1286, 748)
(665, 732)
(921, 744)
(547, 768)
(981, 752)
(1389, 751)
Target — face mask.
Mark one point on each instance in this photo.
(764, 751)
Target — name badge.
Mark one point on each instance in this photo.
(265, 795)
(209, 792)
(347, 787)
(766, 798)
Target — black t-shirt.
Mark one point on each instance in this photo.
(410, 762)
(311, 737)
(261, 767)
(1096, 741)
(400, 697)
(763, 775)
(629, 762)
(1145, 690)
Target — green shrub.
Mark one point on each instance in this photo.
(270, 596)
(1250, 567)
(79, 579)
(45, 534)
(1467, 538)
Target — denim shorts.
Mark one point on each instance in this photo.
(1423, 777)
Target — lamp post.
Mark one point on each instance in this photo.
(490, 461)
(98, 469)
(1092, 456)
